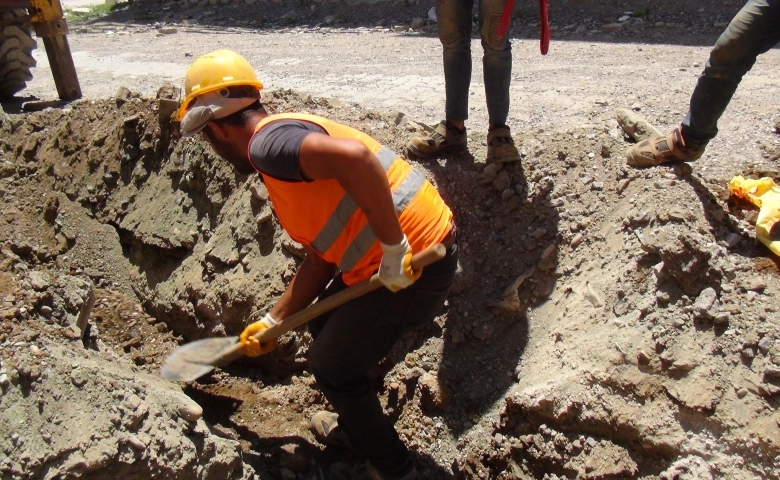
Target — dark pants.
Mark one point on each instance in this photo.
(754, 30)
(351, 339)
(454, 27)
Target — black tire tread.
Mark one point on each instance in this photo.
(16, 59)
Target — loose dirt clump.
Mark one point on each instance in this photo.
(605, 323)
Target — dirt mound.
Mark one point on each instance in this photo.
(605, 323)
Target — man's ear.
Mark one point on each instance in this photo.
(220, 132)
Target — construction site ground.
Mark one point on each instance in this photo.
(606, 322)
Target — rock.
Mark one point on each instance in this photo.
(576, 240)
(122, 95)
(696, 391)
(772, 371)
(592, 296)
(417, 23)
(634, 125)
(52, 208)
(135, 442)
(502, 182)
(259, 191)
(765, 344)
(39, 281)
(706, 304)
(292, 246)
(733, 239)
(432, 17)
(226, 432)
(489, 173)
(434, 394)
(612, 28)
(754, 285)
(79, 377)
(190, 412)
(167, 31)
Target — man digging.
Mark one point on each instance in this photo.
(356, 207)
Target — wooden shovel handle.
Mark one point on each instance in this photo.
(419, 260)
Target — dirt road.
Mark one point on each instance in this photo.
(577, 83)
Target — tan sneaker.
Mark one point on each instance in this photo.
(501, 146)
(659, 150)
(440, 140)
(325, 427)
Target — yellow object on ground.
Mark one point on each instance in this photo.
(765, 194)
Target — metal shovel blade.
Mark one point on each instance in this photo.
(195, 359)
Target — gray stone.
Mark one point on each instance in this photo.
(122, 95)
(39, 281)
(772, 371)
(765, 344)
(733, 239)
(705, 303)
(417, 23)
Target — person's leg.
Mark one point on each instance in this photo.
(454, 27)
(497, 71)
(754, 30)
(496, 62)
(354, 338)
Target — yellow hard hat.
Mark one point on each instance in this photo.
(214, 71)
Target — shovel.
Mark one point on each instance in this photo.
(198, 358)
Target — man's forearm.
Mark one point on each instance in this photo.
(309, 281)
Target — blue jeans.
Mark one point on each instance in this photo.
(754, 30)
(454, 19)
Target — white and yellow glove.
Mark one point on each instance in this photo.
(251, 345)
(395, 271)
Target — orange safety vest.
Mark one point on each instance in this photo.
(321, 215)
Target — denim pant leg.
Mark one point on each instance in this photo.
(496, 61)
(454, 27)
(754, 30)
(353, 338)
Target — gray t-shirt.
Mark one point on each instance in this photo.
(274, 150)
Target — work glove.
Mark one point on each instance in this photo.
(251, 345)
(395, 271)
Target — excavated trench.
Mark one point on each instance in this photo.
(593, 331)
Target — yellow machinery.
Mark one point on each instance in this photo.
(18, 18)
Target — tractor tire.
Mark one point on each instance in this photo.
(16, 60)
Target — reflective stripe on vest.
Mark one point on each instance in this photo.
(346, 208)
(363, 241)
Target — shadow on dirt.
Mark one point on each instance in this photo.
(507, 260)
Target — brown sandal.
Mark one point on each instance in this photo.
(660, 150)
